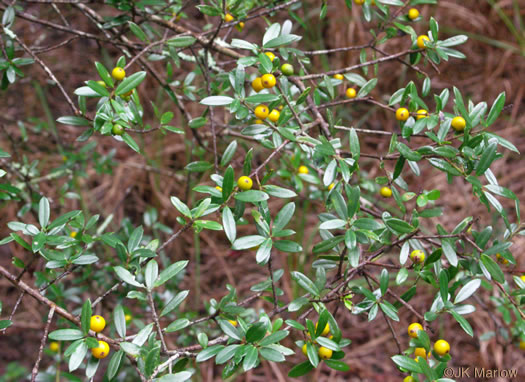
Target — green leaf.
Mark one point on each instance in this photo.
(488, 156)
(463, 323)
(66, 335)
(74, 121)
(336, 365)
(180, 206)
(283, 217)
(262, 98)
(407, 363)
(493, 268)
(305, 283)
(355, 148)
(174, 302)
(256, 332)
(119, 319)
(228, 153)
(282, 40)
(228, 222)
(85, 317)
(279, 192)
(78, 356)
(251, 358)
(181, 41)
(399, 226)
(198, 166)
(127, 277)
(177, 325)
(170, 272)
(468, 290)
(300, 369)
(217, 101)
(130, 142)
(209, 352)
(114, 364)
(252, 196)
(367, 88)
(130, 83)
(443, 285)
(247, 242)
(150, 274)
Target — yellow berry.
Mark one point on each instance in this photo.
(420, 352)
(417, 256)
(219, 188)
(118, 73)
(245, 183)
(441, 347)
(259, 122)
(303, 170)
(458, 123)
(101, 351)
(501, 259)
(304, 349)
(325, 353)
(331, 186)
(339, 77)
(409, 379)
(402, 114)
(522, 277)
(522, 345)
(73, 234)
(54, 346)
(117, 129)
(268, 80)
(421, 41)
(325, 331)
(350, 93)
(413, 328)
(262, 111)
(281, 107)
(97, 324)
(385, 192)
(101, 83)
(128, 317)
(413, 14)
(270, 55)
(257, 84)
(274, 115)
(228, 18)
(359, 2)
(421, 113)
(240, 26)
(233, 322)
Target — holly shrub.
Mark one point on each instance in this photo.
(261, 124)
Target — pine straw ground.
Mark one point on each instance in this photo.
(495, 63)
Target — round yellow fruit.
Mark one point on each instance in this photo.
(417, 256)
(385, 192)
(73, 234)
(402, 114)
(262, 111)
(270, 55)
(54, 346)
(331, 186)
(359, 2)
(522, 277)
(350, 93)
(268, 80)
(326, 330)
(522, 345)
(101, 351)
(325, 353)
(228, 18)
(257, 84)
(128, 317)
(413, 328)
(458, 123)
(421, 41)
(303, 170)
(420, 352)
(97, 323)
(101, 83)
(245, 183)
(339, 77)
(409, 379)
(259, 122)
(118, 73)
(240, 26)
(441, 347)
(233, 322)
(304, 349)
(421, 113)
(117, 129)
(274, 115)
(413, 13)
